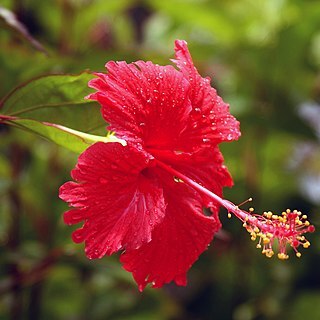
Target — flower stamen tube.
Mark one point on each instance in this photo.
(287, 228)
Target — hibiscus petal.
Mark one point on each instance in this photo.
(204, 166)
(176, 243)
(161, 107)
(118, 201)
(210, 120)
(143, 102)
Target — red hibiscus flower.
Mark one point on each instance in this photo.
(125, 199)
(146, 198)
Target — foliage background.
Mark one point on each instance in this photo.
(265, 59)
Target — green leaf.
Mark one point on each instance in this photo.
(54, 108)
(73, 140)
(56, 99)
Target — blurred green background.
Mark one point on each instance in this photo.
(264, 57)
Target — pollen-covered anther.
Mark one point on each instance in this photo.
(306, 245)
(253, 236)
(268, 252)
(266, 240)
(283, 256)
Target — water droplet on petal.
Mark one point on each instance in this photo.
(229, 136)
(213, 128)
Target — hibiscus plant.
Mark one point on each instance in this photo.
(151, 185)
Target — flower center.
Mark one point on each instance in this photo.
(287, 228)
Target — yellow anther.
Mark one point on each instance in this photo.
(248, 229)
(307, 223)
(298, 254)
(283, 256)
(306, 245)
(256, 229)
(258, 246)
(244, 225)
(275, 217)
(251, 209)
(269, 253)
(288, 211)
(304, 216)
(253, 238)
(246, 218)
(269, 214)
(266, 240)
(229, 215)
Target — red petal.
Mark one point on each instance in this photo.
(144, 102)
(210, 120)
(119, 202)
(163, 108)
(204, 166)
(176, 243)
